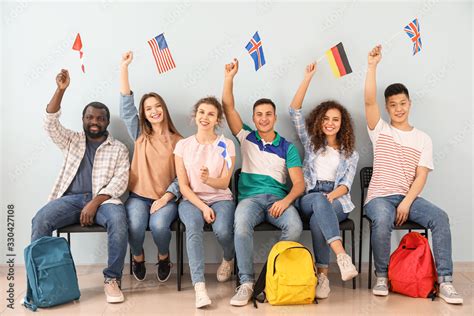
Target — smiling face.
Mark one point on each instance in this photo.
(331, 123)
(153, 110)
(95, 122)
(398, 107)
(207, 117)
(264, 117)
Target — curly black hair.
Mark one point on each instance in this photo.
(345, 136)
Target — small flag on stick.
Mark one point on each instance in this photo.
(338, 61)
(78, 46)
(255, 49)
(413, 32)
(161, 53)
(225, 154)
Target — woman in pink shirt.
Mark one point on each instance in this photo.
(204, 164)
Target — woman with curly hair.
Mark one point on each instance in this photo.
(330, 162)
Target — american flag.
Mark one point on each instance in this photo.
(255, 49)
(413, 31)
(225, 154)
(161, 53)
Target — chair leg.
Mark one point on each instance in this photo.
(360, 243)
(236, 272)
(181, 240)
(131, 256)
(353, 257)
(69, 239)
(179, 259)
(344, 239)
(369, 285)
(57, 233)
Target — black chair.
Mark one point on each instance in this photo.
(365, 176)
(77, 228)
(346, 225)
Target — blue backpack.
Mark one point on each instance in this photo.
(51, 273)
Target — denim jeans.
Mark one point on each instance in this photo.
(192, 218)
(324, 218)
(139, 218)
(249, 213)
(67, 210)
(382, 212)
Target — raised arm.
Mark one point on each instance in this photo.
(128, 111)
(60, 135)
(231, 115)
(62, 82)
(372, 112)
(297, 101)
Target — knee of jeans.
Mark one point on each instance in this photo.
(225, 234)
(441, 217)
(38, 223)
(293, 231)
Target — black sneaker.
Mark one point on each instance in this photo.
(139, 270)
(163, 271)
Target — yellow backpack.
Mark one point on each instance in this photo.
(288, 277)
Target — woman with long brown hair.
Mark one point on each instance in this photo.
(153, 184)
(329, 166)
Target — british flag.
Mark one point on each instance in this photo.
(413, 32)
(255, 49)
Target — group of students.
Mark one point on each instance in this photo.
(171, 176)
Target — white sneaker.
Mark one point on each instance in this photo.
(381, 287)
(448, 293)
(347, 268)
(224, 271)
(202, 299)
(244, 293)
(322, 289)
(112, 291)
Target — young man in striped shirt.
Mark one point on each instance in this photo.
(92, 179)
(402, 160)
(267, 160)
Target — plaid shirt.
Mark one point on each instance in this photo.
(345, 170)
(111, 162)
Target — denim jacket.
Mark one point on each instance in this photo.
(345, 170)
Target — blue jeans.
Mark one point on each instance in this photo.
(324, 219)
(139, 218)
(67, 210)
(382, 212)
(249, 213)
(192, 218)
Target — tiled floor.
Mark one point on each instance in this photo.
(153, 298)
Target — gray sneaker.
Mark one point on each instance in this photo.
(244, 293)
(381, 287)
(322, 289)
(448, 293)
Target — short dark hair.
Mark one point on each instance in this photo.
(394, 89)
(264, 101)
(97, 105)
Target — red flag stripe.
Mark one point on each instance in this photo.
(337, 58)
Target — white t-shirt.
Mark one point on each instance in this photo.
(326, 164)
(397, 154)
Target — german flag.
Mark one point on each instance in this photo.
(338, 61)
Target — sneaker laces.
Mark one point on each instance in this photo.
(112, 282)
(345, 261)
(450, 289)
(381, 282)
(244, 289)
(225, 266)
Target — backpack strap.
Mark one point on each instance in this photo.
(28, 298)
(259, 287)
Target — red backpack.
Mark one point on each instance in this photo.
(411, 270)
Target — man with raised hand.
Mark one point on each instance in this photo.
(92, 179)
(267, 160)
(403, 157)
